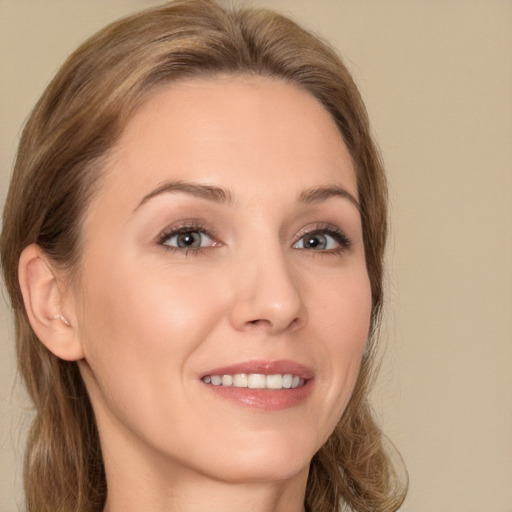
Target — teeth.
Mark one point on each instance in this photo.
(256, 381)
(240, 380)
(287, 380)
(275, 382)
(227, 380)
(216, 380)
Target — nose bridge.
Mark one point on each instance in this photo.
(268, 292)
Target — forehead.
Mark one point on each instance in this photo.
(249, 133)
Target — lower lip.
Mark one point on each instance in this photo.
(264, 399)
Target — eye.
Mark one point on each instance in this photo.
(187, 239)
(316, 241)
(323, 240)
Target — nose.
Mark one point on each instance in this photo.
(268, 295)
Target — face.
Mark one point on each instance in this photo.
(224, 302)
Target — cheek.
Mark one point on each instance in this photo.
(344, 312)
(343, 306)
(139, 332)
(143, 308)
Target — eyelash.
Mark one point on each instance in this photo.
(188, 228)
(335, 233)
(338, 235)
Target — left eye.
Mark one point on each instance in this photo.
(188, 240)
(317, 241)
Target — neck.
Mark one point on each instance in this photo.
(140, 478)
(132, 488)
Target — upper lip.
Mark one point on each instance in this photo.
(265, 368)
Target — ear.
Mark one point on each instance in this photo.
(48, 311)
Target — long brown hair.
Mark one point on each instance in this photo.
(75, 123)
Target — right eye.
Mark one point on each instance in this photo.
(187, 239)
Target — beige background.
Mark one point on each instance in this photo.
(437, 79)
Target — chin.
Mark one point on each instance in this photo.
(264, 462)
(266, 471)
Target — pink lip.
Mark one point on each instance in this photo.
(264, 399)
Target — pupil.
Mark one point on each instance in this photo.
(312, 242)
(316, 241)
(188, 240)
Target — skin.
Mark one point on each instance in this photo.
(150, 321)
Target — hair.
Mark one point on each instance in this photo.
(66, 139)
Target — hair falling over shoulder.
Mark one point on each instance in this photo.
(67, 137)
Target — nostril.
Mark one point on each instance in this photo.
(260, 323)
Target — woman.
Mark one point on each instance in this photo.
(197, 276)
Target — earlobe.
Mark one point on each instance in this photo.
(48, 312)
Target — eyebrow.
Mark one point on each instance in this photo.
(319, 194)
(208, 192)
(224, 196)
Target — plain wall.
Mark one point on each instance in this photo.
(437, 79)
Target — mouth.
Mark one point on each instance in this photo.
(256, 380)
(264, 385)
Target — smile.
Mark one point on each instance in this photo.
(261, 385)
(255, 381)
